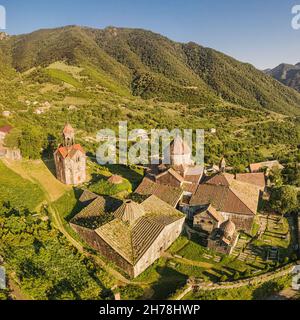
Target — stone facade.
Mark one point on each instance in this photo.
(134, 236)
(207, 220)
(70, 160)
(10, 154)
(161, 244)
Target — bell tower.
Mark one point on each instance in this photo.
(68, 136)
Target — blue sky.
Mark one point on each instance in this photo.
(256, 31)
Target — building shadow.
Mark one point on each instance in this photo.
(169, 282)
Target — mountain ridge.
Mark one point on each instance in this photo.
(150, 65)
(287, 74)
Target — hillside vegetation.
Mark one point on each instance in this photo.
(149, 65)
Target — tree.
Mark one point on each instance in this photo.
(32, 141)
(284, 199)
(224, 278)
(276, 177)
(236, 275)
(12, 140)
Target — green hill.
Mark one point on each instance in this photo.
(139, 62)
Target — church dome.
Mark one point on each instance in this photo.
(179, 147)
(228, 228)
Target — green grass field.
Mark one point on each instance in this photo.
(18, 191)
(63, 76)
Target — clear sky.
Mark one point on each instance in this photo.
(256, 31)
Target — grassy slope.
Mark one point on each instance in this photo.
(18, 191)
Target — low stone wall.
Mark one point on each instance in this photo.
(240, 283)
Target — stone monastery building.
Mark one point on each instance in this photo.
(70, 159)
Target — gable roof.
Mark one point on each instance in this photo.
(221, 179)
(234, 197)
(97, 212)
(87, 196)
(70, 152)
(268, 164)
(257, 179)
(172, 172)
(170, 195)
(213, 213)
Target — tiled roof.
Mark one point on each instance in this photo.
(69, 152)
(236, 197)
(267, 164)
(130, 212)
(171, 171)
(6, 129)
(190, 187)
(87, 196)
(97, 212)
(257, 179)
(213, 213)
(223, 179)
(115, 179)
(170, 195)
(131, 241)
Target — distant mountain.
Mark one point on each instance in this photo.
(149, 65)
(287, 74)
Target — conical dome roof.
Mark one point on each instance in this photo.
(68, 129)
(228, 227)
(179, 147)
(130, 211)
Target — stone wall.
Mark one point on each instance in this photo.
(91, 238)
(71, 171)
(10, 154)
(161, 244)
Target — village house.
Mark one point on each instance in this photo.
(269, 165)
(6, 114)
(5, 152)
(4, 131)
(70, 159)
(132, 235)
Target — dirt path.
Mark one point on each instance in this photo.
(16, 292)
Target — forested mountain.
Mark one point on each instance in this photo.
(149, 65)
(287, 74)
